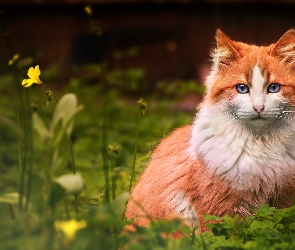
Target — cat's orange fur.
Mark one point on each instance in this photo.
(186, 178)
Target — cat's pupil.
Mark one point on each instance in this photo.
(242, 88)
(274, 88)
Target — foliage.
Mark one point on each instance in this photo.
(268, 228)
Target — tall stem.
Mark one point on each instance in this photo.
(113, 180)
(72, 155)
(24, 121)
(135, 151)
(104, 133)
(29, 149)
(76, 205)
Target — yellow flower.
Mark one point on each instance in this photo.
(142, 105)
(34, 74)
(70, 228)
(88, 10)
(13, 59)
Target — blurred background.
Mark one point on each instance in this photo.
(168, 39)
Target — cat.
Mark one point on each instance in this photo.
(239, 152)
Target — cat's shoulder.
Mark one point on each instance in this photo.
(176, 141)
(178, 135)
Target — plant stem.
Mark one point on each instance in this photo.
(72, 155)
(20, 187)
(48, 233)
(193, 235)
(104, 133)
(165, 125)
(76, 205)
(24, 121)
(29, 150)
(66, 207)
(113, 179)
(135, 151)
(11, 212)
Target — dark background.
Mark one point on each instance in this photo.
(172, 38)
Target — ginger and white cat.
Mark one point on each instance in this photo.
(239, 153)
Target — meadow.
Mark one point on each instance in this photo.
(70, 155)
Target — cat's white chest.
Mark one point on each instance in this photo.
(248, 162)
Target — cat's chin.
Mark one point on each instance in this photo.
(261, 125)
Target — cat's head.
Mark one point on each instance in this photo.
(255, 86)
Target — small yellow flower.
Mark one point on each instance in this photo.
(70, 228)
(142, 105)
(49, 96)
(13, 59)
(34, 74)
(114, 148)
(88, 10)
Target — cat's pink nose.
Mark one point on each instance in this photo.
(258, 108)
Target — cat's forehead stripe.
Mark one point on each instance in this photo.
(259, 76)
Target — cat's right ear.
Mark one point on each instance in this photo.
(284, 49)
(224, 53)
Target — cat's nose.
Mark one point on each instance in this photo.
(258, 108)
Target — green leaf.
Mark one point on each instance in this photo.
(11, 125)
(10, 198)
(56, 194)
(40, 127)
(187, 230)
(166, 226)
(262, 224)
(211, 217)
(229, 221)
(65, 110)
(279, 226)
(265, 209)
(215, 231)
(118, 205)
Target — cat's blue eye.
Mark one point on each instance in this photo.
(274, 88)
(242, 88)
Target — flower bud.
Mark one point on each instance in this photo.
(72, 183)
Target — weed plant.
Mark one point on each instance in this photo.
(69, 161)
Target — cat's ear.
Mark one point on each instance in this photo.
(225, 51)
(284, 49)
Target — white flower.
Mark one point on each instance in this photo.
(72, 183)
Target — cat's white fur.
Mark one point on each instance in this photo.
(184, 208)
(231, 151)
(257, 87)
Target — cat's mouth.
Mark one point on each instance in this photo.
(258, 117)
(261, 123)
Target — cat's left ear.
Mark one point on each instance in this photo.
(284, 49)
(225, 51)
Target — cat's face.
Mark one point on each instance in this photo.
(255, 86)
